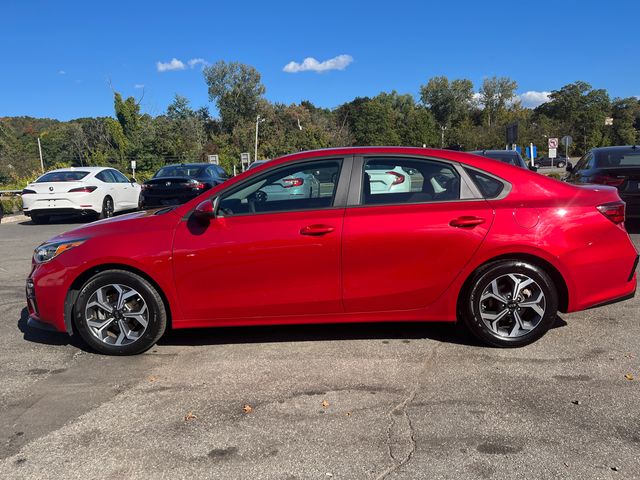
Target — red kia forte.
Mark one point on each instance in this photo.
(343, 235)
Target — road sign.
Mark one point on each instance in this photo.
(532, 151)
(133, 164)
(512, 133)
(567, 140)
(553, 143)
(213, 159)
(553, 152)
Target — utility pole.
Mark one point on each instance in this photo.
(40, 150)
(258, 122)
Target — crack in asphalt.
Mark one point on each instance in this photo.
(397, 458)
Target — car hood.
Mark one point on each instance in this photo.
(119, 226)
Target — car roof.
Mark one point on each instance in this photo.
(616, 148)
(188, 165)
(82, 169)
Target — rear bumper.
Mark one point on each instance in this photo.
(149, 200)
(60, 211)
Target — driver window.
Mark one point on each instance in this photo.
(307, 186)
(407, 180)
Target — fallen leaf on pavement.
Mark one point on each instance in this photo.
(325, 404)
(189, 416)
(247, 409)
(629, 376)
(152, 378)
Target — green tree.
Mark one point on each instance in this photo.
(495, 95)
(449, 101)
(236, 89)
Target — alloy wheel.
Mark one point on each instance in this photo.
(117, 314)
(512, 305)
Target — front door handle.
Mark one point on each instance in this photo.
(315, 230)
(466, 221)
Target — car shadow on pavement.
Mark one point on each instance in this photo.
(47, 337)
(445, 332)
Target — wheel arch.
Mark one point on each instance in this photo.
(80, 280)
(549, 268)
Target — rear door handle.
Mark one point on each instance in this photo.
(315, 230)
(466, 221)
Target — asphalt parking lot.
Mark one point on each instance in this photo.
(353, 402)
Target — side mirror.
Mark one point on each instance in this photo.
(533, 168)
(205, 211)
(569, 167)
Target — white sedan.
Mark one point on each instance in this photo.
(97, 191)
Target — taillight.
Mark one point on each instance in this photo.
(84, 189)
(398, 178)
(292, 182)
(26, 191)
(196, 184)
(613, 211)
(607, 180)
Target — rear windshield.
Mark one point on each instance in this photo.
(179, 171)
(618, 159)
(507, 157)
(62, 176)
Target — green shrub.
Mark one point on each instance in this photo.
(11, 204)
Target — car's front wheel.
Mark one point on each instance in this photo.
(560, 164)
(510, 303)
(119, 313)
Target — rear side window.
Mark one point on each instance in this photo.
(406, 180)
(106, 176)
(489, 187)
(73, 176)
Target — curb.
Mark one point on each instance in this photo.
(13, 219)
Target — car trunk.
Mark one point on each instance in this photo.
(53, 188)
(629, 177)
(170, 190)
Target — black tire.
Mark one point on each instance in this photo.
(470, 306)
(39, 219)
(107, 207)
(157, 315)
(560, 164)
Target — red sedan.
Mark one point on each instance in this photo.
(467, 238)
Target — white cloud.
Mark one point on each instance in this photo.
(62, 72)
(174, 64)
(197, 61)
(533, 99)
(311, 64)
(138, 85)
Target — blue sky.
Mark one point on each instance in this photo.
(58, 56)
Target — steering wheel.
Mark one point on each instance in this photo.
(256, 197)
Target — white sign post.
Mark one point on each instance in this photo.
(245, 160)
(553, 149)
(133, 168)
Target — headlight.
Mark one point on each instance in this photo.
(47, 251)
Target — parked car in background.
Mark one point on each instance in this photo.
(302, 184)
(177, 184)
(614, 166)
(560, 161)
(94, 191)
(1, 211)
(511, 157)
(470, 250)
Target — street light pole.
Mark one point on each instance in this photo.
(41, 160)
(442, 128)
(258, 122)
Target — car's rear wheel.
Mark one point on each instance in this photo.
(119, 313)
(40, 219)
(510, 303)
(107, 208)
(560, 164)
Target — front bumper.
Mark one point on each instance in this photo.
(46, 294)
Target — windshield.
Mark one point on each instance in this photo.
(62, 176)
(179, 171)
(618, 159)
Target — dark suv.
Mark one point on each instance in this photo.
(177, 184)
(615, 166)
(507, 156)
